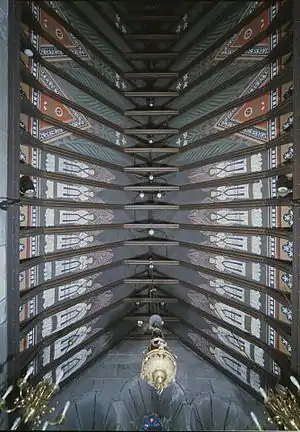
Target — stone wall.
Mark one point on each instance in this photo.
(197, 380)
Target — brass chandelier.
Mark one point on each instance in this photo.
(32, 403)
(283, 407)
(159, 365)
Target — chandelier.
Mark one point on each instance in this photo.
(32, 403)
(283, 407)
(159, 365)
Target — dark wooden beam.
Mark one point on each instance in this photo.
(30, 354)
(84, 40)
(283, 108)
(284, 77)
(30, 141)
(29, 79)
(280, 19)
(280, 358)
(66, 178)
(29, 19)
(143, 299)
(97, 30)
(70, 79)
(65, 228)
(270, 378)
(31, 323)
(27, 263)
(240, 179)
(231, 377)
(296, 195)
(274, 232)
(93, 360)
(243, 204)
(284, 138)
(280, 296)
(280, 49)
(283, 328)
(58, 281)
(32, 111)
(280, 264)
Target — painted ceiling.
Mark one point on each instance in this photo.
(224, 260)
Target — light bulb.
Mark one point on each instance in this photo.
(8, 391)
(151, 177)
(151, 232)
(295, 382)
(151, 266)
(140, 323)
(264, 394)
(255, 420)
(150, 140)
(28, 52)
(142, 195)
(66, 407)
(59, 378)
(28, 373)
(159, 195)
(16, 424)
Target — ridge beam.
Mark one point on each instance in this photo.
(145, 318)
(139, 225)
(151, 112)
(151, 243)
(140, 131)
(151, 150)
(153, 261)
(151, 169)
(153, 93)
(151, 188)
(150, 281)
(151, 75)
(151, 207)
(150, 56)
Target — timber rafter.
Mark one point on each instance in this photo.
(275, 354)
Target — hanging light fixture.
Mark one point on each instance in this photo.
(282, 406)
(32, 404)
(151, 265)
(151, 102)
(284, 185)
(27, 187)
(141, 195)
(150, 139)
(159, 365)
(151, 177)
(151, 232)
(158, 195)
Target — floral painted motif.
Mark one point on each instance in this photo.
(182, 84)
(183, 25)
(152, 423)
(287, 279)
(287, 312)
(289, 217)
(287, 345)
(288, 248)
(289, 154)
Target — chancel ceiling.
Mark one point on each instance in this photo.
(216, 74)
